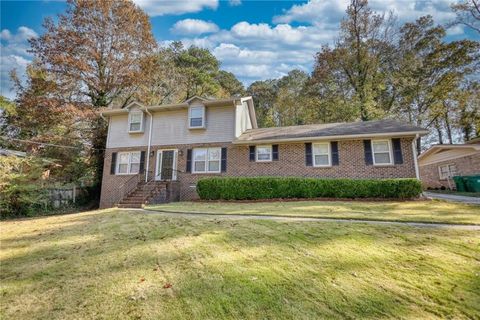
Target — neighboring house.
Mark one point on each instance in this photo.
(178, 144)
(443, 161)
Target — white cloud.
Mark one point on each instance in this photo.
(193, 26)
(323, 11)
(175, 7)
(14, 55)
(5, 34)
(234, 3)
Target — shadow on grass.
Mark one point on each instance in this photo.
(236, 269)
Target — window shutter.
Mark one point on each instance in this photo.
(308, 154)
(335, 158)
(224, 160)
(397, 151)
(189, 160)
(252, 153)
(142, 161)
(368, 152)
(114, 163)
(275, 152)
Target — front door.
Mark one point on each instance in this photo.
(166, 165)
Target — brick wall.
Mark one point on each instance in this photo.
(291, 163)
(430, 176)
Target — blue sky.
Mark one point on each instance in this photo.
(255, 40)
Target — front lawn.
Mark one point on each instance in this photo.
(416, 211)
(116, 264)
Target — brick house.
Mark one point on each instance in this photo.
(441, 162)
(158, 153)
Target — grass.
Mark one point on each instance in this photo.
(115, 264)
(457, 193)
(416, 211)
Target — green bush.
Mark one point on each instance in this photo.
(290, 187)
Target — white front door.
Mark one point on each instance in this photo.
(166, 168)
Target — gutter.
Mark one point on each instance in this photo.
(149, 143)
(351, 136)
(415, 160)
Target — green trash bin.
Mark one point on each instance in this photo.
(459, 183)
(472, 183)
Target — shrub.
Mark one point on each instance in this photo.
(291, 187)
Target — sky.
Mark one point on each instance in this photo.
(255, 40)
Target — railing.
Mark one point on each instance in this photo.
(127, 187)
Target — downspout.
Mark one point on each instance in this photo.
(149, 143)
(415, 160)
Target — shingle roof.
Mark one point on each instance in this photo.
(361, 128)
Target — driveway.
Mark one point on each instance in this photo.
(452, 197)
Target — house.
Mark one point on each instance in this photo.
(160, 152)
(442, 161)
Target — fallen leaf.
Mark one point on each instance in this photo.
(142, 279)
(167, 285)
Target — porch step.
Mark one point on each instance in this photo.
(155, 192)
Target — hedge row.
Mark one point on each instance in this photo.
(274, 187)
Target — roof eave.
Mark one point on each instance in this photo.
(334, 137)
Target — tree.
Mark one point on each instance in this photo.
(199, 67)
(428, 69)
(98, 49)
(356, 69)
(264, 94)
(289, 107)
(229, 84)
(468, 14)
(163, 81)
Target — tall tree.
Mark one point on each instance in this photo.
(200, 68)
(468, 14)
(289, 107)
(355, 70)
(264, 94)
(100, 48)
(428, 69)
(229, 84)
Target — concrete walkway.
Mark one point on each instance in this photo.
(452, 197)
(302, 219)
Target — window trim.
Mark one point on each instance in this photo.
(190, 117)
(390, 152)
(129, 164)
(449, 172)
(269, 146)
(207, 160)
(130, 114)
(329, 154)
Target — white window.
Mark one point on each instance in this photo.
(321, 154)
(263, 153)
(382, 152)
(135, 121)
(128, 162)
(447, 171)
(196, 117)
(206, 160)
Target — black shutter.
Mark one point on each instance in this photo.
(224, 160)
(335, 158)
(397, 151)
(308, 154)
(368, 152)
(189, 160)
(114, 163)
(252, 153)
(142, 161)
(275, 152)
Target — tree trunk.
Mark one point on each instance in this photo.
(439, 132)
(449, 128)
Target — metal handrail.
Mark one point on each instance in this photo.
(127, 187)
